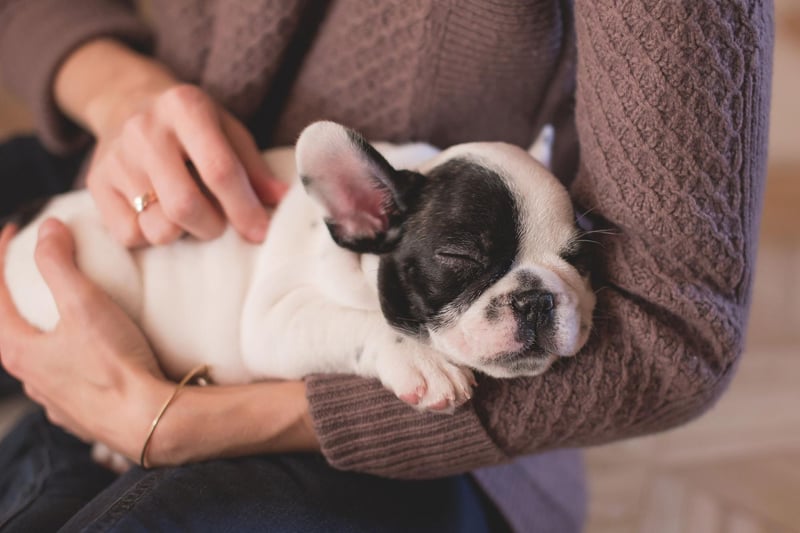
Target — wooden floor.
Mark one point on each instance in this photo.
(737, 469)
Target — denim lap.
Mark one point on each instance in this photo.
(299, 492)
(46, 476)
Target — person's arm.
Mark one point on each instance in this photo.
(672, 110)
(672, 124)
(96, 376)
(217, 421)
(36, 36)
(148, 125)
(102, 82)
(85, 75)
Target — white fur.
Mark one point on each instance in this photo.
(295, 305)
(299, 304)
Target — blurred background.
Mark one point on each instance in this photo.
(737, 469)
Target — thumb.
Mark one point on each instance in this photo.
(55, 258)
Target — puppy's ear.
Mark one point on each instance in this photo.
(542, 147)
(363, 198)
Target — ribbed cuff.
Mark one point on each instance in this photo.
(40, 36)
(361, 426)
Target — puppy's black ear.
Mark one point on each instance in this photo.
(364, 199)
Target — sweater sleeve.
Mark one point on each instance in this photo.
(672, 106)
(35, 38)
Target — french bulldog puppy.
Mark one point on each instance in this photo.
(398, 262)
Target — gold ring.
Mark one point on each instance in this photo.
(141, 202)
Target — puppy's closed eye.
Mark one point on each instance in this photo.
(460, 257)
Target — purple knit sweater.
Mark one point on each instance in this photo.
(661, 111)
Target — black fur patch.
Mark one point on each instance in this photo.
(528, 280)
(466, 210)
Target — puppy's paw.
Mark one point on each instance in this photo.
(425, 380)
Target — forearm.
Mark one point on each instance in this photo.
(664, 166)
(674, 158)
(230, 421)
(36, 37)
(103, 81)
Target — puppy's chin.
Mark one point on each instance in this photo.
(517, 365)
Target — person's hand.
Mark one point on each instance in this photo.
(147, 152)
(152, 133)
(94, 374)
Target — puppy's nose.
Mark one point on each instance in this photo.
(535, 307)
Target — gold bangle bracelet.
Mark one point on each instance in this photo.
(193, 373)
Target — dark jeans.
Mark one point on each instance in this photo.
(47, 479)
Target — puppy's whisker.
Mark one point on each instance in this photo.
(601, 232)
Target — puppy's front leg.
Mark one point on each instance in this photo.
(303, 333)
(418, 374)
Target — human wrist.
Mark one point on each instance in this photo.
(230, 421)
(198, 374)
(103, 82)
(147, 394)
(130, 410)
(105, 114)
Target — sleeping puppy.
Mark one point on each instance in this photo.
(402, 263)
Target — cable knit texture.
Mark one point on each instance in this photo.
(666, 102)
(36, 37)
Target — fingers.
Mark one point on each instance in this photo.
(152, 224)
(221, 171)
(149, 154)
(114, 207)
(55, 258)
(180, 203)
(117, 214)
(267, 187)
(157, 228)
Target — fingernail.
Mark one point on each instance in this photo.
(8, 230)
(46, 229)
(258, 231)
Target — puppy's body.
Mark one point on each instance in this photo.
(431, 295)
